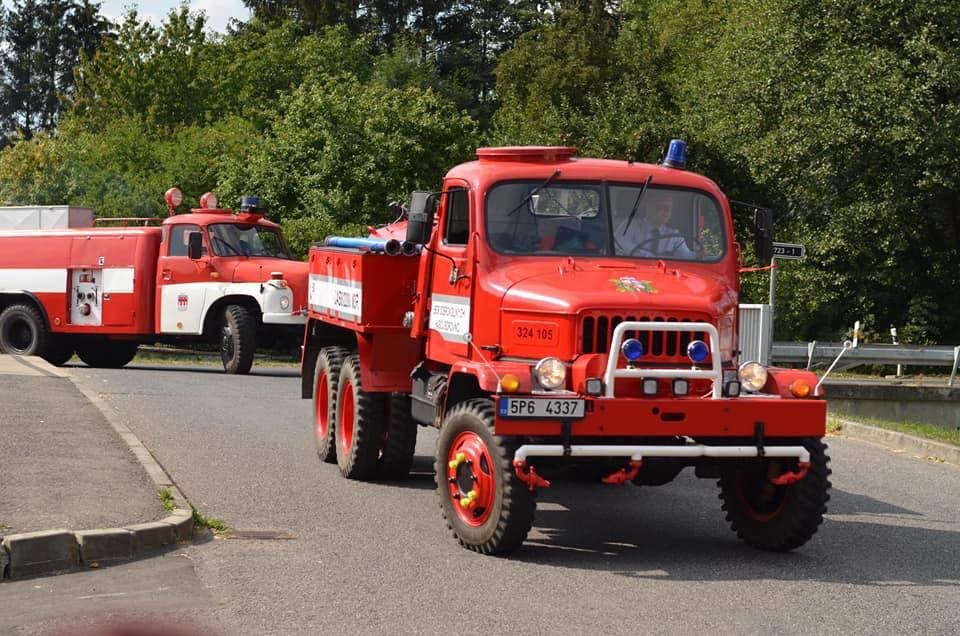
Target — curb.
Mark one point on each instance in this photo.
(900, 441)
(50, 551)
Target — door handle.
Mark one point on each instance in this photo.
(167, 274)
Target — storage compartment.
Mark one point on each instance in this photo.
(361, 290)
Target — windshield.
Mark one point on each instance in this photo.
(571, 218)
(231, 239)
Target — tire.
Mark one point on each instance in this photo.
(400, 441)
(502, 513)
(58, 350)
(106, 354)
(238, 340)
(360, 421)
(21, 330)
(326, 378)
(777, 518)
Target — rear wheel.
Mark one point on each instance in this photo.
(360, 421)
(771, 517)
(486, 506)
(238, 339)
(326, 378)
(107, 354)
(21, 330)
(401, 439)
(58, 350)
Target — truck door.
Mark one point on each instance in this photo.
(451, 283)
(181, 283)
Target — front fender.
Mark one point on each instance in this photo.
(488, 374)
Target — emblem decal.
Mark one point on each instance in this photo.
(631, 284)
(182, 301)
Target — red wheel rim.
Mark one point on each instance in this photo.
(345, 421)
(471, 479)
(759, 498)
(323, 407)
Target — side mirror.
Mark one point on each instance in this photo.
(420, 217)
(763, 234)
(194, 245)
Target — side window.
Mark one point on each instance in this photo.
(180, 239)
(457, 230)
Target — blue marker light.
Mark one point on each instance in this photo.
(632, 349)
(676, 154)
(249, 203)
(698, 351)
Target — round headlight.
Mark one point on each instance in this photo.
(752, 376)
(284, 303)
(551, 373)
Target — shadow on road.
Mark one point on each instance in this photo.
(676, 534)
(276, 372)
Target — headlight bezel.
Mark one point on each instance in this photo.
(752, 376)
(550, 373)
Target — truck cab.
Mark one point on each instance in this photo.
(229, 276)
(560, 312)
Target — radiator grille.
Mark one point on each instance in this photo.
(597, 329)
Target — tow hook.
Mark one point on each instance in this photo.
(624, 475)
(529, 476)
(787, 479)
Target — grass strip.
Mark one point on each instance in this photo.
(918, 429)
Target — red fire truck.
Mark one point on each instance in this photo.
(550, 312)
(102, 290)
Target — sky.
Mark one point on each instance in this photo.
(218, 12)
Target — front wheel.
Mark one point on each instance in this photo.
(238, 339)
(771, 517)
(486, 506)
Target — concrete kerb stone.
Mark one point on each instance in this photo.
(900, 441)
(108, 544)
(152, 536)
(41, 552)
(35, 553)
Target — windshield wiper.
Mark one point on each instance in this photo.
(226, 243)
(530, 194)
(636, 204)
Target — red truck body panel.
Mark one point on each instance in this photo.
(53, 266)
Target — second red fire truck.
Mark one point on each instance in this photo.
(214, 275)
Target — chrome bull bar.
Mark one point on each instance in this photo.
(715, 373)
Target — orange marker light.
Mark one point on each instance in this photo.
(510, 383)
(799, 388)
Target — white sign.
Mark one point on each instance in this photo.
(450, 317)
(339, 297)
(790, 251)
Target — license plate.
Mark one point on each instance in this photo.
(541, 408)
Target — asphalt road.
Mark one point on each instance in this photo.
(376, 558)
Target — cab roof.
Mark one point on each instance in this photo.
(540, 162)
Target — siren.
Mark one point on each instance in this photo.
(676, 154)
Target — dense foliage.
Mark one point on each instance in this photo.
(842, 116)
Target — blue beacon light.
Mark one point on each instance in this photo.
(698, 351)
(632, 349)
(676, 154)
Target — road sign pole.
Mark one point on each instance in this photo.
(773, 292)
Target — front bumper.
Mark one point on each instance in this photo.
(284, 318)
(670, 417)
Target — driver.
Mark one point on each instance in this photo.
(651, 236)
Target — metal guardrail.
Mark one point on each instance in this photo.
(810, 353)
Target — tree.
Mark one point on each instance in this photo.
(43, 42)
